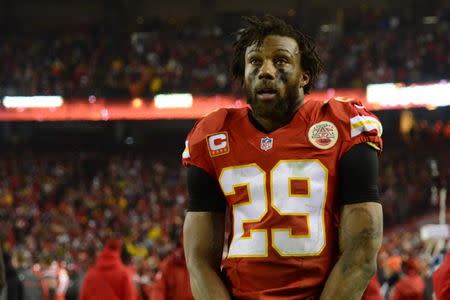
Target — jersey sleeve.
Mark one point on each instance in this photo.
(357, 124)
(196, 151)
(358, 175)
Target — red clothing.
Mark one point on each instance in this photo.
(280, 189)
(172, 280)
(441, 280)
(373, 290)
(108, 279)
(409, 287)
(133, 273)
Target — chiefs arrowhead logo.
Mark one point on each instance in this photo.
(323, 135)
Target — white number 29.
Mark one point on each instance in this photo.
(310, 205)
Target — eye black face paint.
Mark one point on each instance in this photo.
(254, 73)
(283, 76)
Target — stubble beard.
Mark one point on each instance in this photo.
(280, 109)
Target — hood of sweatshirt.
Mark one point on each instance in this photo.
(108, 259)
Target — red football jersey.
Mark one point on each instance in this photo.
(280, 191)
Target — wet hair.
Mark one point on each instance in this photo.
(257, 29)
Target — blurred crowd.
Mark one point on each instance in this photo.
(411, 164)
(195, 58)
(58, 209)
(406, 264)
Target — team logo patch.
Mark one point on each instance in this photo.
(218, 143)
(266, 143)
(323, 135)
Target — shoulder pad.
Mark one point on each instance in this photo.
(211, 123)
(353, 116)
(346, 108)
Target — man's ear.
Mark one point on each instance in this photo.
(304, 79)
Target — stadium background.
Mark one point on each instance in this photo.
(108, 159)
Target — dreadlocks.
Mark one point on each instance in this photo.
(255, 32)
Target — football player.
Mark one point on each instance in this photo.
(299, 181)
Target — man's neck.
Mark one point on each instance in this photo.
(268, 125)
(265, 125)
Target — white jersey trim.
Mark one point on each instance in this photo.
(360, 124)
(186, 153)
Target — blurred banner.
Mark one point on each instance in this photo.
(187, 106)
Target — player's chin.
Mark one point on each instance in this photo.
(264, 102)
(265, 107)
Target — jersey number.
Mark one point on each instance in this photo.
(310, 205)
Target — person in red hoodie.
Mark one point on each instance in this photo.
(172, 280)
(411, 286)
(373, 290)
(441, 280)
(108, 278)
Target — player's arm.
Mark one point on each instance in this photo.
(204, 229)
(361, 225)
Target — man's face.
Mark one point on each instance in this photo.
(274, 79)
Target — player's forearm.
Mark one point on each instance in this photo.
(203, 246)
(349, 278)
(360, 235)
(206, 283)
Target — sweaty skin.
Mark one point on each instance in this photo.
(360, 236)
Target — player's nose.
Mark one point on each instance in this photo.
(267, 70)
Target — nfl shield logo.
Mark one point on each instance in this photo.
(266, 143)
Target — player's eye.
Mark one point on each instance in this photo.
(281, 61)
(254, 61)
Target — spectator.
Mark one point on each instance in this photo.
(108, 278)
(132, 270)
(392, 270)
(63, 282)
(32, 286)
(14, 289)
(172, 280)
(49, 275)
(373, 290)
(441, 280)
(411, 286)
(77, 274)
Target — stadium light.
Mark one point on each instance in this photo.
(430, 20)
(389, 95)
(173, 101)
(137, 102)
(32, 101)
